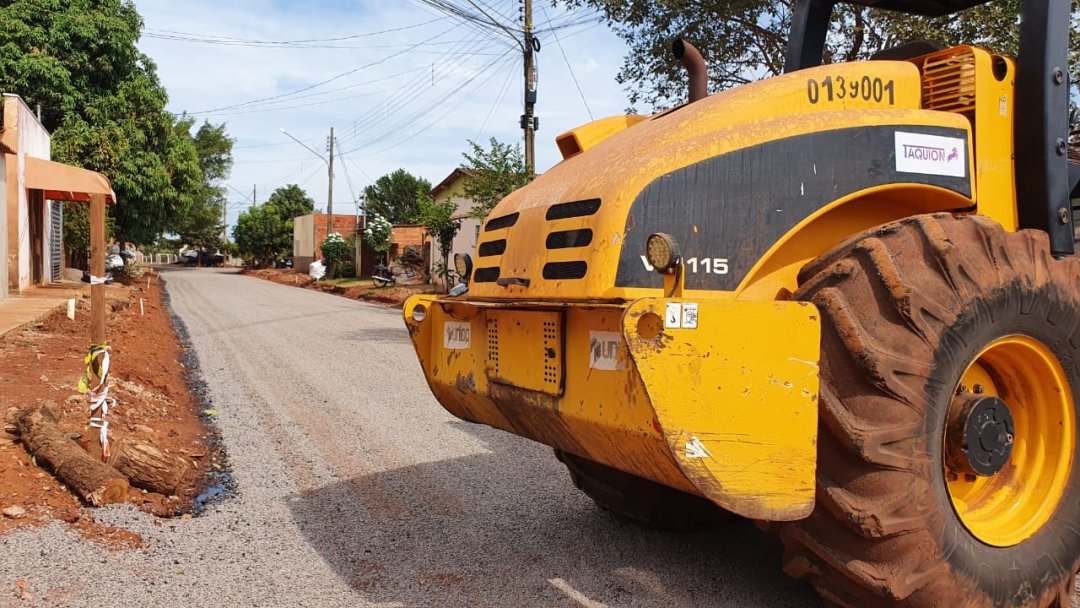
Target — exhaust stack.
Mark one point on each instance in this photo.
(695, 68)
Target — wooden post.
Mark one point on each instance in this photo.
(97, 290)
(97, 268)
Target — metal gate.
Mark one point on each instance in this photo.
(56, 240)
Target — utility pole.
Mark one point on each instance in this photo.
(254, 195)
(330, 193)
(528, 120)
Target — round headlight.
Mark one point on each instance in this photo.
(463, 265)
(419, 313)
(662, 252)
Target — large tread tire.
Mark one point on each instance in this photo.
(637, 500)
(904, 309)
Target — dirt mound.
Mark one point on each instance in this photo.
(366, 290)
(154, 404)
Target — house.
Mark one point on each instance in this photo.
(309, 231)
(451, 189)
(31, 190)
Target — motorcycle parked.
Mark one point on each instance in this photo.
(382, 276)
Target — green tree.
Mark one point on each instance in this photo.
(261, 235)
(214, 147)
(439, 220)
(494, 173)
(102, 100)
(265, 232)
(203, 226)
(747, 40)
(393, 197)
(292, 201)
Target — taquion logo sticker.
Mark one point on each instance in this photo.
(930, 154)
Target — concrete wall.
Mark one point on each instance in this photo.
(303, 244)
(3, 227)
(24, 134)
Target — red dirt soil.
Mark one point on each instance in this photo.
(154, 404)
(388, 296)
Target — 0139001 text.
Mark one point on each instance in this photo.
(867, 88)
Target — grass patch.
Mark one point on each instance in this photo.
(346, 282)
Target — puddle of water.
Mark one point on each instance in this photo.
(221, 486)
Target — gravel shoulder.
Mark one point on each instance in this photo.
(353, 487)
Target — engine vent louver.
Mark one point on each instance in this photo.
(499, 223)
(949, 82)
(565, 270)
(573, 209)
(491, 248)
(486, 275)
(569, 238)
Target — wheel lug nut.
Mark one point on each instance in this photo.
(951, 476)
(968, 477)
(978, 388)
(962, 388)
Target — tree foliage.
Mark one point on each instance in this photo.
(747, 40)
(292, 201)
(264, 232)
(261, 235)
(203, 225)
(393, 197)
(101, 99)
(439, 220)
(494, 172)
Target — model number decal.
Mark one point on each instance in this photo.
(708, 265)
(866, 88)
(695, 265)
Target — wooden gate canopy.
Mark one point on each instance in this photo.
(62, 182)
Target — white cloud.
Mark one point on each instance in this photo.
(411, 109)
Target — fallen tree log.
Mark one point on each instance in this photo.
(93, 480)
(147, 467)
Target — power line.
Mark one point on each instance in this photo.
(498, 101)
(152, 32)
(328, 80)
(403, 97)
(568, 66)
(428, 111)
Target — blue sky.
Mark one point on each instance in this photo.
(404, 87)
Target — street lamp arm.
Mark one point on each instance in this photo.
(282, 129)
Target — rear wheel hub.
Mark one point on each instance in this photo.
(980, 436)
(1009, 439)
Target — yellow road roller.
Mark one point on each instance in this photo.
(841, 302)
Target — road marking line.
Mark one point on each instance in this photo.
(574, 594)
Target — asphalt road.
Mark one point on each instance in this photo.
(355, 488)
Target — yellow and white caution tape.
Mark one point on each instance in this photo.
(97, 366)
